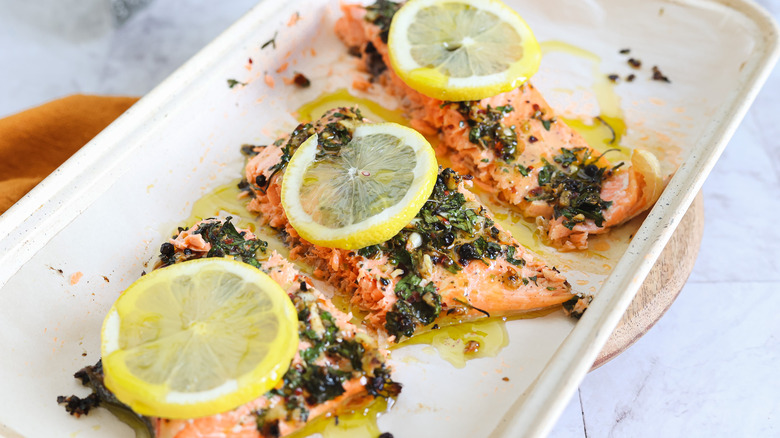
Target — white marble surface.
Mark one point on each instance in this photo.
(708, 368)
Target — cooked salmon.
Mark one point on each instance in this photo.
(451, 259)
(338, 366)
(509, 143)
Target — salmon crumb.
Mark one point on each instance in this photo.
(294, 18)
(269, 80)
(76, 277)
(283, 67)
(361, 84)
(471, 347)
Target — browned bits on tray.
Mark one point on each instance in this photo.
(658, 76)
(636, 64)
(300, 80)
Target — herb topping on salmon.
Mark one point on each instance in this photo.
(451, 259)
(338, 367)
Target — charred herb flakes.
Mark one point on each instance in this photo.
(225, 241)
(381, 14)
(447, 232)
(486, 127)
(92, 377)
(573, 186)
(301, 80)
(375, 64)
(658, 76)
(326, 365)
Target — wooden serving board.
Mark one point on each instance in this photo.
(661, 286)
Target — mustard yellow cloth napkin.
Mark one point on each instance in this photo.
(35, 142)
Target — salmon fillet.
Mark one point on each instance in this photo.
(338, 367)
(451, 260)
(509, 143)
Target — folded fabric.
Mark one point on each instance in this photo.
(35, 142)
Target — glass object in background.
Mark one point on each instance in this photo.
(124, 9)
(70, 20)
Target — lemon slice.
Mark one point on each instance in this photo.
(198, 338)
(461, 49)
(363, 195)
(647, 165)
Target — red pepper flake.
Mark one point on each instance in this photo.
(532, 139)
(635, 63)
(613, 77)
(631, 78)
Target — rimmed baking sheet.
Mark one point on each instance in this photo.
(105, 212)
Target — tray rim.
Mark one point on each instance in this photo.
(33, 221)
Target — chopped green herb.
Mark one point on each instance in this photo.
(573, 186)
(271, 42)
(381, 14)
(486, 128)
(232, 83)
(224, 239)
(510, 256)
(525, 171)
(546, 123)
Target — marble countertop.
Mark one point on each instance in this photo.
(708, 368)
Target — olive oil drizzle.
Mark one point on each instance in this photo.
(606, 130)
(361, 423)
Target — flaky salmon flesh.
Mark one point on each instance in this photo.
(513, 144)
(451, 260)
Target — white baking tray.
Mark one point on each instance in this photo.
(106, 210)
